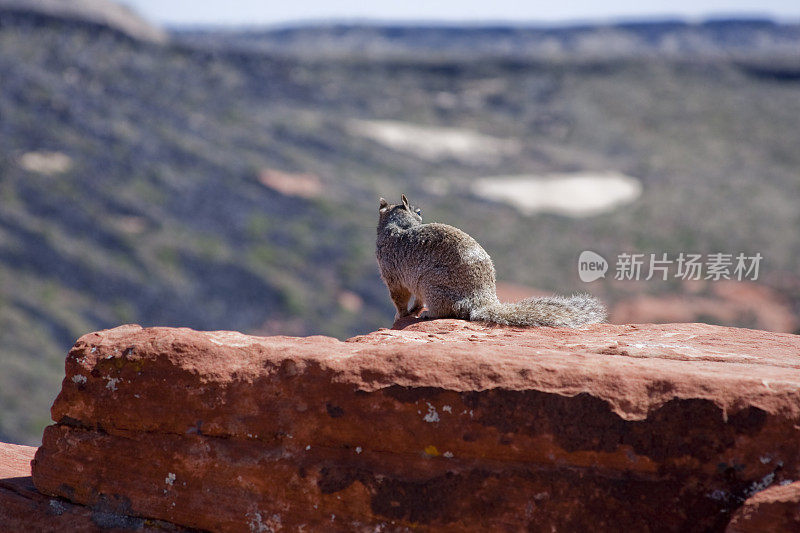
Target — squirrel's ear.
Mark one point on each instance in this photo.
(405, 201)
(384, 203)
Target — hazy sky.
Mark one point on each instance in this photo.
(276, 12)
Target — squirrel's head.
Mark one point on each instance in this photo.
(402, 214)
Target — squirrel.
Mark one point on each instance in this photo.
(449, 273)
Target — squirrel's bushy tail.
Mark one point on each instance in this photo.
(555, 311)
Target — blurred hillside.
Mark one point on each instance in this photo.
(225, 180)
(716, 38)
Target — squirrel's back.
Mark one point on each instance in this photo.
(439, 264)
(447, 270)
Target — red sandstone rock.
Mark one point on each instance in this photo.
(15, 460)
(445, 425)
(291, 184)
(724, 302)
(774, 509)
(24, 509)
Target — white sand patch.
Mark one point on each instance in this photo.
(433, 143)
(577, 195)
(46, 162)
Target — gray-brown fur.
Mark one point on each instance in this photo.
(448, 272)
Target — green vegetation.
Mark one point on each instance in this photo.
(161, 219)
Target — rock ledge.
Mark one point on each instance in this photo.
(444, 425)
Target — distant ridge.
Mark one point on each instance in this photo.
(720, 37)
(100, 12)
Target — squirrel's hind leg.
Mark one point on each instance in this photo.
(417, 307)
(400, 297)
(439, 304)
